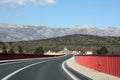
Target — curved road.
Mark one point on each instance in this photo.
(35, 69)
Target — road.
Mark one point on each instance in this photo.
(35, 69)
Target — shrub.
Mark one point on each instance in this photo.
(102, 50)
(39, 50)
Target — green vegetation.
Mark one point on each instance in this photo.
(77, 42)
(39, 50)
(1, 43)
(102, 50)
(20, 49)
(4, 49)
(11, 51)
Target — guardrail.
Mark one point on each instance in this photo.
(22, 56)
(109, 64)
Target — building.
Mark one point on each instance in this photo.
(89, 52)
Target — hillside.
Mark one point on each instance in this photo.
(73, 42)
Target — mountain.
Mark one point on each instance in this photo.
(14, 32)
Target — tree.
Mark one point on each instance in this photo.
(102, 50)
(10, 43)
(11, 51)
(20, 49)
(1, 43)
(39, 50)
(4, 49)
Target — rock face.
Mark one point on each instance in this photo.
(9, 32)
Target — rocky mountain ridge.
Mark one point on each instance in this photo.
(14, 32)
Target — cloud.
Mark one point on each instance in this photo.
(18, 3)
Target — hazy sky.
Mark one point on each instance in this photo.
(61, 13)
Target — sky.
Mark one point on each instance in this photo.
(61, 13)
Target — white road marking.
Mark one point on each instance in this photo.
(12, 62)
(15, 60)
(63, 66)
(18, 61)
(15, 72)
(24, 60)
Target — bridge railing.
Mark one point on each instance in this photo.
(6, 56)
(109, 64)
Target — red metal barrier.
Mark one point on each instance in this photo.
(109, 64)
(21, 56)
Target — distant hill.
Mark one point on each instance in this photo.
(73, 42)
(15, 32)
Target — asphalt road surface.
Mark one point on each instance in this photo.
(35, 69)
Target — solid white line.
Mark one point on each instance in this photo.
(20, 59)
(24, 60)
(15, 72)
(63, 66)
(12, 62)
(17, 61)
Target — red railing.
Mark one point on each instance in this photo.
(22, 56)
(109, 64)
